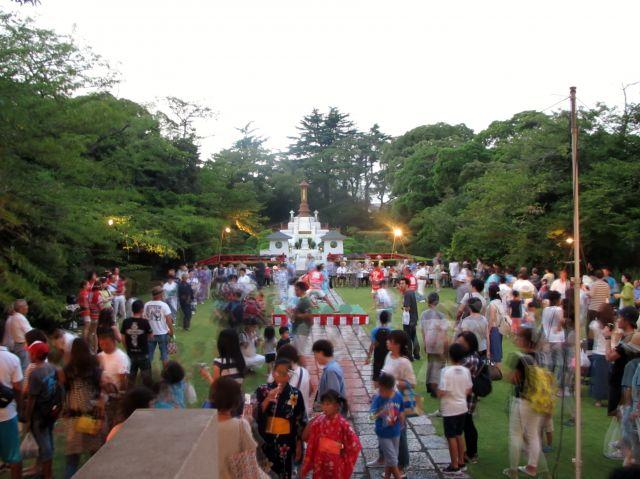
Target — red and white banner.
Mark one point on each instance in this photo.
(326, 319)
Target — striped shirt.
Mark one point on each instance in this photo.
(599, 294)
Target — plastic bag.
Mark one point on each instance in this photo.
(612, 447)
(406, 317)
(29, 447)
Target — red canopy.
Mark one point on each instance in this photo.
(239, 258)
(373, 256)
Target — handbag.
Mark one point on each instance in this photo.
(494, 372)
(504, 322)
(88, 425)
(244, 464)
(172, 347)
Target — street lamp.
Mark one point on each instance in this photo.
(223, 231)
(569, 240)
(110, 221)
(397, 233)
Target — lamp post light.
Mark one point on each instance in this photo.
(110, 221)
(397, 233)
(225, 230)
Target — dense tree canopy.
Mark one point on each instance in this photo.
(89, 180)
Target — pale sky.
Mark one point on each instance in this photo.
(397, 63)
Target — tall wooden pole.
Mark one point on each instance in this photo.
(576, 282)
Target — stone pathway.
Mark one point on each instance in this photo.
(428, 451)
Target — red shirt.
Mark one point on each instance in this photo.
(83, 301)
(376, 278)
(413, 283)
(94, 304)
(316, 279)
(119, 287)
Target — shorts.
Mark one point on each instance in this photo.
(43, 434)
(453, 425)
(162, 341)
(270, 357)
(10, 441)
(389, 447)
(317, 292)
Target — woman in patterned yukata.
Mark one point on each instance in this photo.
(281, 418)
(332, 445)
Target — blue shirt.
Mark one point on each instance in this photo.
(388, 412)
(332, 378)
(375, 331)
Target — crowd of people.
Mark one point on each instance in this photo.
(290, 426)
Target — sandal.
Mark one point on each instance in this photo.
(525, 471)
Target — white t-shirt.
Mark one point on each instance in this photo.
(113, 365)
(599, 343)
(422, 274)
(342, 270)
(456, 381)
(551, 318)
(10, 372)
(64, 342)
(454, 269)
(400, 368)
(156, 312)
(560, 286)
(15, 329)
(479, 326)
(170, 291)
(525, 288)
(505, 294)
(244, 279)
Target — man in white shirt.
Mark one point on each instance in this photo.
(170, 288)
(11, 378)
(115, 366)
(16, 327)
(244, 282)
(525, 287)
(454, 269)
(553, 329)
(158, 313)
(422, 275)
(561, 284)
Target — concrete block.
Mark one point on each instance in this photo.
(160, 443)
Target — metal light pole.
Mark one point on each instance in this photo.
(576, 284)
(224, 230)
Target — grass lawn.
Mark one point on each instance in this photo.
(492, 420)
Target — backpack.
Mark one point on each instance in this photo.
(482, 381)
(380, 351)
(251, 309)
(539, 387)
(504, 322)
(51, 407)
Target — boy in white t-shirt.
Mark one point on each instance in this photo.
(455, 385)
(115, 366)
